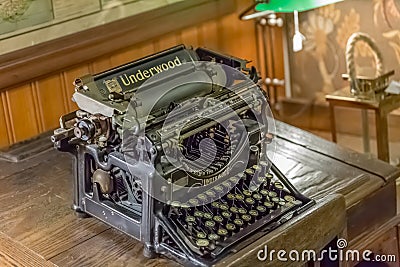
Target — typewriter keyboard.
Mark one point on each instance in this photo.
(252, 202)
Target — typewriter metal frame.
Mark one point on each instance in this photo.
(145, 221)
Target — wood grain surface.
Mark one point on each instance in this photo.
(110, 248)
(13, 253)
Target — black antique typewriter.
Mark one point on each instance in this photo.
(174, 150)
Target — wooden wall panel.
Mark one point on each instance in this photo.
(209, 32)
(51, 104)
(190, 36)
(237, 37)
(100, 65)
(37, 108)
(4, 138)
(124, 56)
(166, 41)
(21, 107)
(146, 49)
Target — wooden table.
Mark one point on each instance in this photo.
(38, 228)
(382, 105)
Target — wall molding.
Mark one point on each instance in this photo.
(40, 60)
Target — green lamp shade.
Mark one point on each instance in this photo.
(288, 6)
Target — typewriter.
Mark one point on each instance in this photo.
(174, 150)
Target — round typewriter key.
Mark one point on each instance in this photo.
(218, 219)
(254, 213)
(198, 214)
(210, 224)
(210, 194)
(230, 226)
(222, 232)
(226, 214)
(272, 194)
(202, 197)
(247, 218)
(202, 243)
(256, 167)
(239, 197)
(234, 180)
(257, 196)
(275, 199)
(290, 198)
(219, 189)
(228, 185)
(201, 235)
(176, 204)
(249, 173)
(242, 211)
(268, 178)
(215, 206)
(190, 219)
(247, 193)
(230, 197)
(185, 206)
(224, 207)
(213, 237)
(238, 222)
(208, 216)
(268, 205)
(194, 202)
(241, 176)
(282, 203)
(261, 209)
(278, 185)
(261, 179)
(234, 210)
(264, 192)
(250, 201)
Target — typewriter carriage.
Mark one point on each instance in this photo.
(130, 150)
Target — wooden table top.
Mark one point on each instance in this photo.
(36, 195)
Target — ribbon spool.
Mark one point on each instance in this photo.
(357, 86)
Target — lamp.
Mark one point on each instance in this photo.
(294, 6)
(289, 6)
(264, 12)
